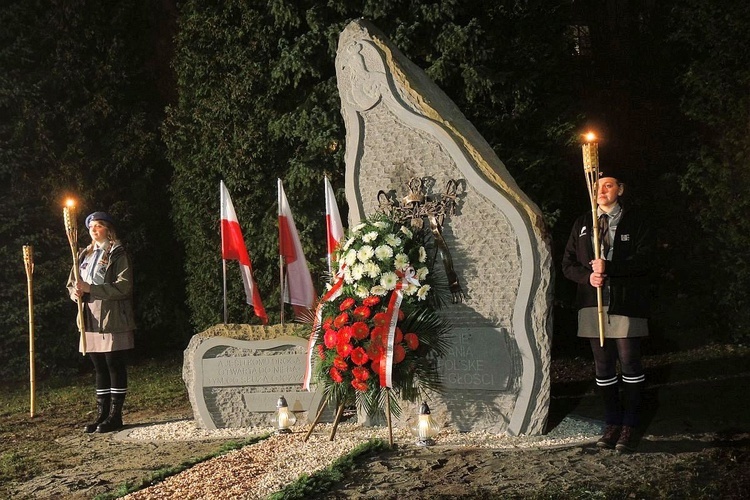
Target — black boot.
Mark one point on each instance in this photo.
(114, 420)
(102, 412)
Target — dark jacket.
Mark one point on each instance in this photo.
(628, 271)
(110, 304)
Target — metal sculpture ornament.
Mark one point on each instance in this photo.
(414, 208)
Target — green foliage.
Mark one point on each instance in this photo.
(258, 101)
(352, 341)
(322, 482)
(718, 172)
(80, 117)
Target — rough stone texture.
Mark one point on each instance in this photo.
(247, 396)
(400, 125)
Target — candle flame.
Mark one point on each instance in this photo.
(589, 136)
(70, 202)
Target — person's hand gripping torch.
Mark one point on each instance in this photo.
(590, 150)
(71, 230)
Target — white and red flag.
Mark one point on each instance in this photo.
(233, 248)
(334, 228)
(299, 285)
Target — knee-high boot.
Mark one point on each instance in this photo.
(114, 420)
(102, 412)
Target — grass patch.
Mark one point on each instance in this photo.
(162, 474)
(321, 482)
(13, 465)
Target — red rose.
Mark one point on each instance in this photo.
(359, 356)
(346, 304)
(380, 319)
(321, 352)
(361, 312)
(359, 385)
(340, 363)
(336, 375)
(412, 341)
(372, 300)
(361, 373)
(399, 353)
(330, 338)
(344, 350)
(341, 320)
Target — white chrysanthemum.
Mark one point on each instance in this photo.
(328, 286)
(378, 290)
(422, 273)
(400, 261)
(365, 253)
(392, 240)
(388, 280)
(357, 270)
(422, 254)
(383, 252)
(370, 237)
(348, 279)
(422, 292)
(372, 270)
(359, 227)
(362, 292)
(380, 224)
(348, 243)
(410, 289)
(407, 232)
(351, 257)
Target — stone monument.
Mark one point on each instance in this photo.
(235, 374)
(399, 127)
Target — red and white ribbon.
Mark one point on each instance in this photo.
(408, 276)
(330, 295)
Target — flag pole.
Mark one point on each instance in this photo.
(224, 272)
(281, 259)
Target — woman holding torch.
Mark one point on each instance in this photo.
(106, 290)
(622, 274)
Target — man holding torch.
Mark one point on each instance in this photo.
(105, 288)
(621, 276)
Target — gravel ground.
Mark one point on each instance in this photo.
(260, 469)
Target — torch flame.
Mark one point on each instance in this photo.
(589, 136)
(70, 202)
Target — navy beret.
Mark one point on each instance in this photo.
(99, 216)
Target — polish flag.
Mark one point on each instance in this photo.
(334, 228)
(299, 283)
(233, 248)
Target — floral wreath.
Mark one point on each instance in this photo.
(378, 335)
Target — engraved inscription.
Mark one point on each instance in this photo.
(477, 359)
(253, 370)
